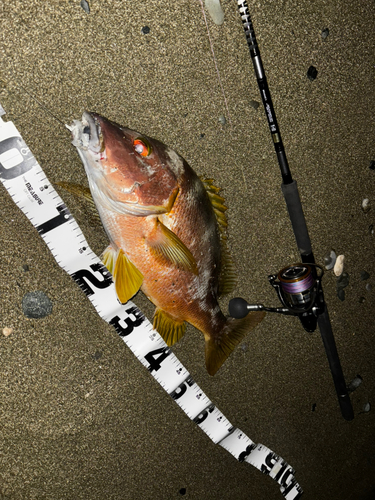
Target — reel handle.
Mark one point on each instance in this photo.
(239, 308)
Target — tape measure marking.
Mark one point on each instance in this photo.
(30, 189)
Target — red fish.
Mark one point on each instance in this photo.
(167, 233)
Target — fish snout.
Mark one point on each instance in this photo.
(91, 132)
(86, 133)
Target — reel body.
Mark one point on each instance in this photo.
(299, 289)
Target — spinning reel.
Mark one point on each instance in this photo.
(299, 290)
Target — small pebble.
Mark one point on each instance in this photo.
(364, 275)
(36, 305)
(312, 73)
(372, 165)
(85, 6)
(7, 331)
(339, 265)
(26, 268)
(145, 30)
(366, 207)
(330, 260)
(356, 382)
(341, 294)
(325, 33)
(254, 104)
(362, 300)
(342, 281)
(371, 229)
(366, 407)
(369, 287)
(215, 11)
(222, 119)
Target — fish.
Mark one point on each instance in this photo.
(167, 232)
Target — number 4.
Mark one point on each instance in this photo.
(156, 357)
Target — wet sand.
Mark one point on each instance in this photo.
(80, 417)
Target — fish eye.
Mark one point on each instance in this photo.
(142, 147)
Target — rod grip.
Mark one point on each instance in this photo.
(335, 365)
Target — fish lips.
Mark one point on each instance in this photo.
(86, 133)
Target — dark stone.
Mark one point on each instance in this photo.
(364, 275)
(312, 73)
(36, 305)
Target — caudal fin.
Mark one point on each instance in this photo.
(219, 347)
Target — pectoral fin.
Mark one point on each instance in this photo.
(165, 245)
(170, 329)
(82, 192)
(128, 279)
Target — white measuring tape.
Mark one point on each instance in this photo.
(30, 189)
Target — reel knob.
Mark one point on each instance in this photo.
(238, 308)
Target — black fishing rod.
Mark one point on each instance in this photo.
(298, 286)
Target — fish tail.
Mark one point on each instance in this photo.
(219, 346)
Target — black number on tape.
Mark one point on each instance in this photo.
(203, 414)
(23, 155)
(242, 456)
(83, 274)
(156, 357)
(182, 388)
(292, 484)
(130, 323)
(270, 461)
(64, 216)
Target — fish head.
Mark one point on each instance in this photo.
(128, 172)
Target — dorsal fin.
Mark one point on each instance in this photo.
(228, 276)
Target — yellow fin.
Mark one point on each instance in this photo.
(170, 329)
(108, 257)
(228, 275)
(219, 347)
(217, 203)
(167, 246)
(82, 192)
(128, 279)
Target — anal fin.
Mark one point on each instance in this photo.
(169, 328)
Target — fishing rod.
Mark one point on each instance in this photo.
(298, 286)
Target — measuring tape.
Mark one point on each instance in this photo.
(30, 189)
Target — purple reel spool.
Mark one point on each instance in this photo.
(297, 286)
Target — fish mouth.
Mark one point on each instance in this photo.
(87, 134)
